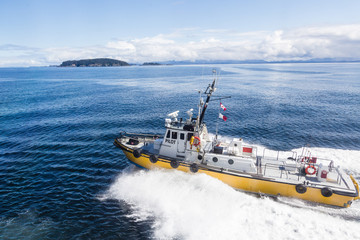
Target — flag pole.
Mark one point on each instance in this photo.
(217, 123)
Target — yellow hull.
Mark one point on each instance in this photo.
(248, 183)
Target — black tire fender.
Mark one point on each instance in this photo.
(153, 159)
(194, 168)
(137, 152)
(301, 188)
(326, 192)
(174, 163)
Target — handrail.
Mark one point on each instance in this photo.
(356, 187)
(341, 178)
(293, 154)
(139, 134)
(276, 167)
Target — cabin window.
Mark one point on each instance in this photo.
(174, 135)
(189, 136)
(168, 134)
(182, 136)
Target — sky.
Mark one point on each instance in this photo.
(47, 32)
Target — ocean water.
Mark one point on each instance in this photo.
(62, 178)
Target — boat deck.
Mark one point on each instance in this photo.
(281, 171)
(278, 169)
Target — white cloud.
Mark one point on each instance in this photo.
(122, 46)
(341, 41)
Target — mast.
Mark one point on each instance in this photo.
(217, 124)
(210, 89)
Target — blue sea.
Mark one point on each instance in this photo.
(61, 177)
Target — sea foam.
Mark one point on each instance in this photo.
(197, 206)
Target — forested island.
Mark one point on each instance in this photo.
(108, 62)
(151, 64)
(96, 62)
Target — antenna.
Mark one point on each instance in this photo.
(173, 115)
(190, 113)
(210, 89)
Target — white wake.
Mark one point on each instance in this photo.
(196, 206)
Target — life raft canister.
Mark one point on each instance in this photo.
(311, 170)
(324, 174)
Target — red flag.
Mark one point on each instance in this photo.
(222, 117)
(223, 107)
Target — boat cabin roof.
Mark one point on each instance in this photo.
(187, 125)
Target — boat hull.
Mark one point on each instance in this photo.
(248, 183)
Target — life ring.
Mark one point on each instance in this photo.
(193, 142)
(311, 170)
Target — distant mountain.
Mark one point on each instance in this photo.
(96, 62)
(314, 60)
(151, 64)
(107, 62)
(211, 62)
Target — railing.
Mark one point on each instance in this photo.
(292, 157)
(281, 168)
(123, 133)
(139, 137)
(278, 162)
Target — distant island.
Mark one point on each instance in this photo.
(151, 64)
(96, 62)
(108, 62)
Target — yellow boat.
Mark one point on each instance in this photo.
(187, 146)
